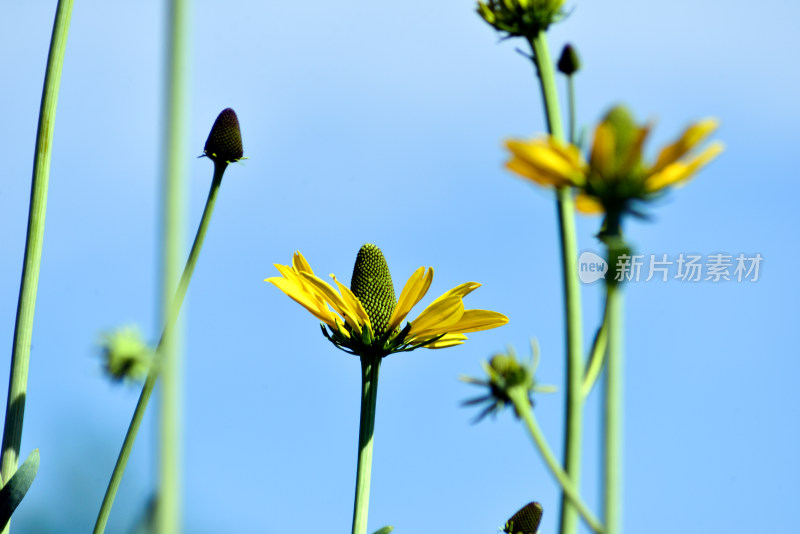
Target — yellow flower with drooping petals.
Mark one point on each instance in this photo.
(615, 178)
(366, 319)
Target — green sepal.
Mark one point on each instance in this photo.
(16, 488)
(385, 530)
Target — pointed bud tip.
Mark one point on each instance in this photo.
(526, 520)
(224, 143)
(569, 63)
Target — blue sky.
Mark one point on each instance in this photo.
(383, 122)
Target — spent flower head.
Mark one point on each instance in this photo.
(125, 355)
(526, 520)
(521, 18)
(616, 179)
(224, 143)
(505, 372)
(366, 318)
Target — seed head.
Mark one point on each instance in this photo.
(224, 143)
(372, 284)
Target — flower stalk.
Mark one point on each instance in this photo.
(23, 328)
(519, 397)
(613, 402)
(573, 428)
(370, 367)
(224, 145)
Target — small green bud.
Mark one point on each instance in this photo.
(569, 63)
(224, 143)
(125, 355)
(526, 521)
(372, 284)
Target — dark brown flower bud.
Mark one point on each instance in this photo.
(224, 143)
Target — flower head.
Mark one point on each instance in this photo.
(505, 372)
(224, 143)
(521, 18)
(365, 318)
(616, 178)
(125, 355)
(526, 520)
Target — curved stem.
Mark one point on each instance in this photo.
(573, 428)
(597, 356)
(150, 382)
(23, 327)
(613, 411)
(519, 397)
(370, 366)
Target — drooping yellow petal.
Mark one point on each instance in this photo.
(680, 172)
(546, 160)
(336, 301)
(353, 303)
(306, 300)
(475, 320)
(691, 137)
(437, 317)
(587, 204)
(447, 340)
(526, 170)
(416, 288)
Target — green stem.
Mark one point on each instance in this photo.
(168, 519)
(147, 389)
(597, 356)
(370, 366)
(573, 428)
(613, 411)
(519, 396)
(571, 105)
(23, 327)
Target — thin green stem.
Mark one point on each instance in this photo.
(613, 411)
(150, 382)
(571, 106)
(573, 428)
(519, 396)
(23, 327)
(370, 366)
(168, 516)
(597, 356)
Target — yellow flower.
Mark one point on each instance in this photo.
(615, 177)
(521, 18)
(351, 319)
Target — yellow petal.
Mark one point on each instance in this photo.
(634, 154)
(524, 169)
(475, 320)
(676, 173)
(602, 158)
(353, 303)
(547, 160)
(307, 301)
(336, 301)
(300, 264)
(691, 137)
(437, 317)
(447, 340)
(461, 291)
(416, 288)
(588, 205)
